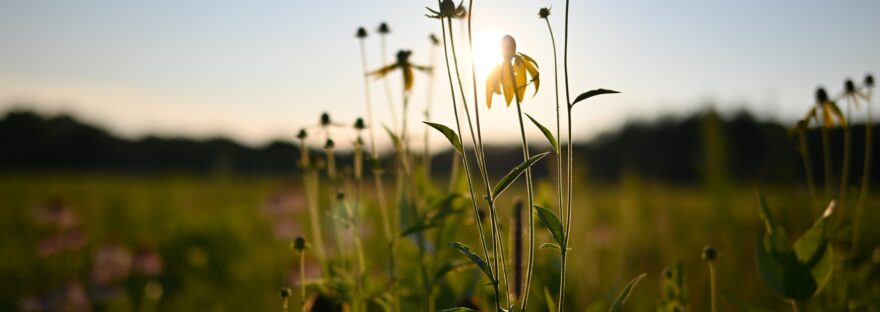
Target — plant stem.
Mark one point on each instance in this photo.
(302, 282)
(808, 168)
(388, 87)
(525, 150)
(713, 299)
(795, 306)
(866, 177)
(844, 175)
(426, 153)
(464, 161)
(826, 152)
(570, 163)
(310, 183)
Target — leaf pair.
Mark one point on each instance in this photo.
(794, 272)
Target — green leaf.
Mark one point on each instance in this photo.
(450, 135)
(547, 134)
(621, 298)
(551, 304)
(551, 222)
(812, 250)
(474, 258)
(394, 138)
(589, 94)
(457, 309)
(511, 176)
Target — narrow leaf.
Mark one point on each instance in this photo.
(589, 94)
(394, 138)
(511, 176)
(458, 309)
(474, 258)
(551, 222)
(621, 299)
(551, 304)
(547, 134)
(450, 135)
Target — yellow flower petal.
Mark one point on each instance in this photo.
(492, 85)
(507, 83)
(520, 69)
(381, 72)
(532, 67)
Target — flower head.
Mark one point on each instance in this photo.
(383, 29)
(869, 81)
(361, 33)
(448, 9)
(405, 66)
(359, 124)
(709, 253)
(302, 134)
(516, 68)
(284, 293)
(544, 12)
(299, 244)
(829, 109)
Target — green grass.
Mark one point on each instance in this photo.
(220, 251)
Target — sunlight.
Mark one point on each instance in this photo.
(487, 52)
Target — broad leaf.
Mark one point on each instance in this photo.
(551, 222)
(589, 94)
(547, 134)
(450, 135)
(474, 258)
(511, 176)
(621, 298)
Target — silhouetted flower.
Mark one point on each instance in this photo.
(405, 66)
(829, 109)
(448, 9)
(361, 33)
(544, 12)
(384, 29)
(709, 253)
(501, 79)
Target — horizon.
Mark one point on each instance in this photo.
(249, 73)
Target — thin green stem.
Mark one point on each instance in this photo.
(847, 146)
(368, 99)
(388, 87)
(310, 183)
(525, 150)
(713, 288)
(796, 306)
(808, 168)
(570, 163)
(826, 153)
(866, 176)
(302, 282)
(559, 173)
(464, 161)
(426, 153)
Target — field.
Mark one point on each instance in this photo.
(224, 242)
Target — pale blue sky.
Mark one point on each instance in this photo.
(258, 70)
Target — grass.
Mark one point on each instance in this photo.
(626, 228)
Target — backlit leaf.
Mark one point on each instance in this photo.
(482, 264)
(589, 94)
(511, 176)
(621, 298)
(449, 134)
(547, 134)
(551, 222)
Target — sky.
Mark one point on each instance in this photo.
(260, 70)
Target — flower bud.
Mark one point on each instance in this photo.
(849, 87)
(340, 195)
(403, 56)
(359, 124)
(709, 253)
(508, 47)
(544, 13)
(302, 134)
(869, 81)
(329, 144)
(325, 119)
(821, 95)
(361, 33)
(383, 28)
(434, 40)
(447, 8)
(299, 244)
(284, 293)
(667, 272)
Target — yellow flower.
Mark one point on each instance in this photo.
(829, 109)
(405, 66)
(502, 80)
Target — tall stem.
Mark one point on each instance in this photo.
(570, 173)
(866, 176)
(808, 168)
(844, 175)
(388, 87)
(525, 150)
(302, 281)
(464, 161)
(426, 153)
(826, 153)
(713, 299)
(499, 259)
(559, 173)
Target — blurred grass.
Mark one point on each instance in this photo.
(221, 251)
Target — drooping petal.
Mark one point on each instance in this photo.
(408, 78)
(520, 69)
(493, 84)
(837, 113)
(827, 120)
(381, 72)
(532, 67)
(507, 83)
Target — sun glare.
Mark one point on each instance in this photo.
(487, 52)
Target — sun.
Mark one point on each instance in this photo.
(487, 52)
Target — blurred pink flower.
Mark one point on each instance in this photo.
(148, 262)
(112, 263)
